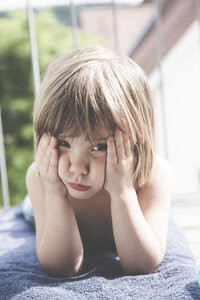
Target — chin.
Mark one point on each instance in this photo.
(83, 195)
(80, 194)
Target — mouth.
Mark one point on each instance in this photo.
(79, 187)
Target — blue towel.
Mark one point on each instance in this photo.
(21, 276)
(198, 277)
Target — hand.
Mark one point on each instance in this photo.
(120, 164)
(47, 165)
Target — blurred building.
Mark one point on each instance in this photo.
(178, 84)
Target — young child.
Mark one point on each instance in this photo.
(96, 180)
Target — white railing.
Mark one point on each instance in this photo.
(33, 47)
(4, 180)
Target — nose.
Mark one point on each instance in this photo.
(79, 165)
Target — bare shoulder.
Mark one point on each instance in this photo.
(158, 189)
(162, 162)
(161, 170)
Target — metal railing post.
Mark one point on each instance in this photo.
(74, 24)
(160, 70)
(115, 31)
(33, 47)
(4, 180)
(198, 16)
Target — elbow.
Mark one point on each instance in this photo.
(145, 267)
(150, 267)
(65, 269)
(60, 272)
(153, 264)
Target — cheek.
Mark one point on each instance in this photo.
(98, 171)
(63, 164)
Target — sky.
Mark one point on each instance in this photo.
(6, 5)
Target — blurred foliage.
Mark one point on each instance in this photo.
(16, 85)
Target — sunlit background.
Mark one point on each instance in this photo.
(163, 37)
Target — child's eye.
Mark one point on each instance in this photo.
(100, 147)
(63, 143)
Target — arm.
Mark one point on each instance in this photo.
(139, 220)
(58, 242)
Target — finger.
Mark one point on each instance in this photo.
(42, 147)
(44, 139)
(127, 145)
(111, 152)
(54, 142)
(45, 163)
(119, 145)
(53, 165)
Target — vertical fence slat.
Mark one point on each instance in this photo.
(33, 47)
(198, 16)
(115, 29)
(160, 70)
(4, 180)
(74, 24)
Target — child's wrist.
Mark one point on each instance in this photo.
(123, 194)
(56, 197)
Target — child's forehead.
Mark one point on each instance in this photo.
(98, 133)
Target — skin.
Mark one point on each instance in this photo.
(111, 210)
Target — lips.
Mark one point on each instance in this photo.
(79, 187)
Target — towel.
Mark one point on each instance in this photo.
(21, 276)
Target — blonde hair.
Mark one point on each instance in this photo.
(97, 87)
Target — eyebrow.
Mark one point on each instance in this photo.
(98, 139)
(101, 138)
(63, 138)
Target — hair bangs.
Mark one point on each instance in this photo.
(86, 108)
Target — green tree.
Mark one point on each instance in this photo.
(16, 85)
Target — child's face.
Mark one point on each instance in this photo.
(81, 165)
